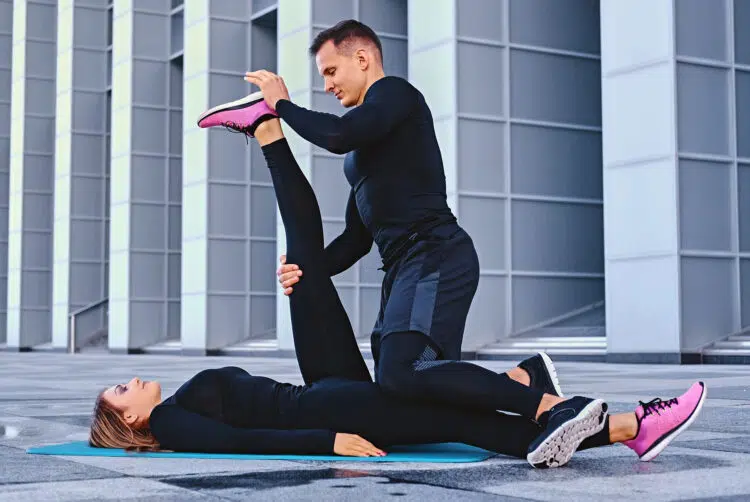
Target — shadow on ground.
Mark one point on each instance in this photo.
(460, 478)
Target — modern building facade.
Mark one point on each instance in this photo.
(598, 152)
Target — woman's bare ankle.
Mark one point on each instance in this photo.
(519, 375)
(547, 402)
(268, 132)
(622, 427)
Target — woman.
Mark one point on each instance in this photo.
(339, 409)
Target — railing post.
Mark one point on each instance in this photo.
(72, 335)
(72, 322)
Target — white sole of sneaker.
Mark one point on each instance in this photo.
(552, 373)
(247, 99)
(653, 453)
(557, 449)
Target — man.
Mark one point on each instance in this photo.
(398, 200)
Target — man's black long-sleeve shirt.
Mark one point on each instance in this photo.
(393, 165)
(227, 410)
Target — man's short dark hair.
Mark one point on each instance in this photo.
(345, 31)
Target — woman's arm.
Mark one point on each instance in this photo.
(178, 429)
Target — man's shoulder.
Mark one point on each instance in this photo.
(392, 83)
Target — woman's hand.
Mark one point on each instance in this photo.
(351, 445)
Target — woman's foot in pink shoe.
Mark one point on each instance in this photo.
(243, 115)
(659, 422)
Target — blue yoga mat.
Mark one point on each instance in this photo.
(437, 453)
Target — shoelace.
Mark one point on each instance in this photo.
(235, 128)
(657, 404)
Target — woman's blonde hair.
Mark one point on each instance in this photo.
(109, 430)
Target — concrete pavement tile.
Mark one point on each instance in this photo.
(19, 467)
(130, 489)
(734, 420)
(735, 392)
(408, 466)
(164, 467)
(321, 484)
(35, 432)
(728, 498)
(675, 475)
(740, 444)
(605, 462)
(671, 374)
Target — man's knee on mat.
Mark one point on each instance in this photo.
(396, 378)
(402, 357)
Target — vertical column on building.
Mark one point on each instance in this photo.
(432, 69)
(294, 36)
(219, 202)
(6, 57)
(31, 181)
(642, 241)
(81, 184)
(144, 242)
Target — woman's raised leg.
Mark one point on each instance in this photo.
(323, 337)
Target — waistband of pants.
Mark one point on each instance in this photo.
(416, 232)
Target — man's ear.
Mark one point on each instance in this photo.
(363, 59)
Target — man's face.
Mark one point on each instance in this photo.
(345, 75)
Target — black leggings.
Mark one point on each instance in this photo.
(340, 393)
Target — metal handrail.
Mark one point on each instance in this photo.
(72, 322)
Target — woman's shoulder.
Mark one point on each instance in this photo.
(224, 370)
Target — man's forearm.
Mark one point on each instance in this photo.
(389, 103)
(321, 129)
(343, 252)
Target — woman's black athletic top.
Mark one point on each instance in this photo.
(393, 165)
(229, 410)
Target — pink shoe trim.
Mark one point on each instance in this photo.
(242, 115)
(256, 96)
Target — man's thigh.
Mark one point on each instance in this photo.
(432, 293)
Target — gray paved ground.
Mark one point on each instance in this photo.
(47, 398)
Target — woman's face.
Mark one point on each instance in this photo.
(136, 399)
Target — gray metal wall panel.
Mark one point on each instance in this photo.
(529, 155)
(712, 103)
(674, 120)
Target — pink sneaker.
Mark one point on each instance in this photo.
(659, 422)
(243, 115)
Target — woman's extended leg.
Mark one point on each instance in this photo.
(364, 409)
(323, 337)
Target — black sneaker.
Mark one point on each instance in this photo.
(542, 373)
(568, 424)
